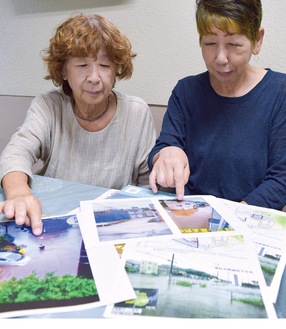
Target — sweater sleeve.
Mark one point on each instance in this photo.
(271, 192)
(147, 141)
(25, 147)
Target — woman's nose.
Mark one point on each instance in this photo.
(93, 74)
(222, 56)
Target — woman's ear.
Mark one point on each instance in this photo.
(258, 42)
(63, 71)
(64, 74)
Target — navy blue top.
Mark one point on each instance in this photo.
(236, 146)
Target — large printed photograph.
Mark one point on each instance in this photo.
(207, 277)
(47, 271)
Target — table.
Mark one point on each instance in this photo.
(60, 197)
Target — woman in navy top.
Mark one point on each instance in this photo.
(224, 132)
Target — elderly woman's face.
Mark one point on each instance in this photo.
(226, 55)
(91, 79)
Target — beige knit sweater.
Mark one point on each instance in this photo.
(113, 157)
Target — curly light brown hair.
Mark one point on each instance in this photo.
(83, 35)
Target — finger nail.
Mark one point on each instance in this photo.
(180, 196)
(37, 231)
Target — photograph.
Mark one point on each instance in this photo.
(268, 231)
(194, 214)
(47, 271)
(204, 277)
(120, 220)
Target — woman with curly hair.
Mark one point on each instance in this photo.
(84, 129)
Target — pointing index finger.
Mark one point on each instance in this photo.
(179, 184)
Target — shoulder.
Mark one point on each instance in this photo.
(53, 100)
(50, 105)
(275, 76)
(201, 77)
(275, 84)
(132, 105)
(50, 99)
(55, 95)
(133, 109)
(193, 84)
(130, 101)
(193, 80)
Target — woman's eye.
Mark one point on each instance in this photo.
(235, 45)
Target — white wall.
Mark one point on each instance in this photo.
(162, 32)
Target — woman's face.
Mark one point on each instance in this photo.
(226, 55)
(91, 79)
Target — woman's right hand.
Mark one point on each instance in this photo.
(170, 169)
(20, 204)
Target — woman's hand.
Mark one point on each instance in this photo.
(20, 204)
(170, 169)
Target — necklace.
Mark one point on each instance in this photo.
(79, 115)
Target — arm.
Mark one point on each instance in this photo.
(271, 192)
(168, 160)
(20, 203)
(147, 142)
(16, 161)
(170, 169)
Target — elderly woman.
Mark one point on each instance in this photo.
(224, 132)
(83, 130)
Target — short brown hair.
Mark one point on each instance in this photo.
(244, 16)
(82, 36)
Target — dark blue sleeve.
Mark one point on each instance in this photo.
(173, 126)
(271, 192)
